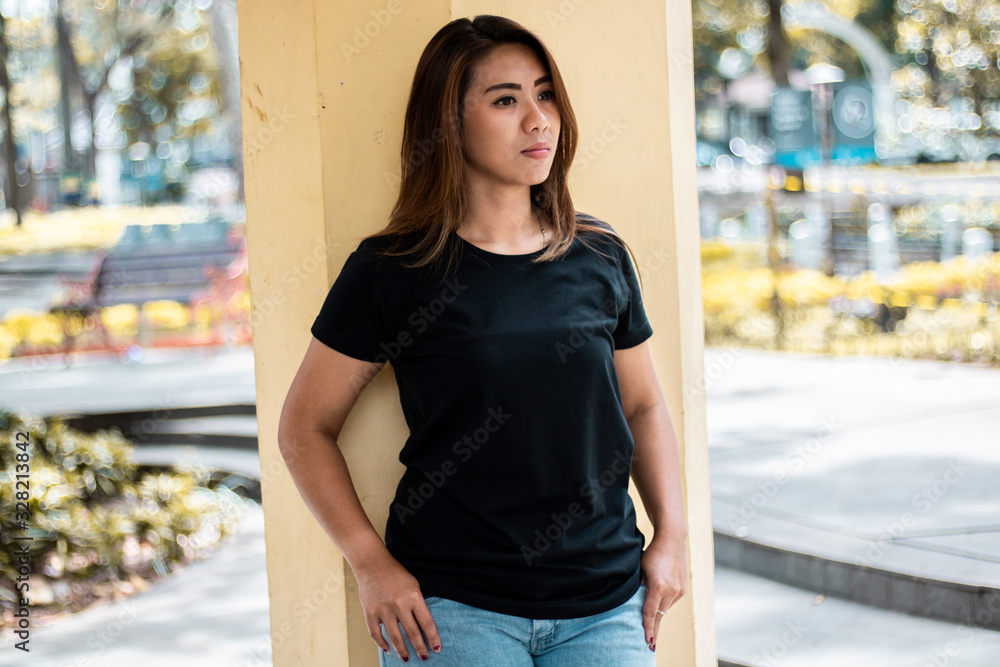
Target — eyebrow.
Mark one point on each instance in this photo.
(516, 86)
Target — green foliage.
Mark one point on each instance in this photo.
(94, 514)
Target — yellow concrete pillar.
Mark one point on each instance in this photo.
(324, 88)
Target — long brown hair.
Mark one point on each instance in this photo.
(432, 201)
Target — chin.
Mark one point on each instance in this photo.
(540, 177)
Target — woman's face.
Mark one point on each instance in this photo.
(510, 107)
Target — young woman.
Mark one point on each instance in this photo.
(516, 332)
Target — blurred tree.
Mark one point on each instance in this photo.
(12, 189)
(952, 48)
(156, 60)
(948, 51)
(732, 38)
(223, 24)
(777, 43)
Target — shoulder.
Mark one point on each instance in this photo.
(379, 249)
(375, 243)
(399, 257)
(365, 263)
(599, 234)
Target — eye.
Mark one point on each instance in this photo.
(505, 97)
(550, 94)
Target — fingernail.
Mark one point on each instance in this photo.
(436, 648)
(424, 657)
(406, 659)
(650, 641)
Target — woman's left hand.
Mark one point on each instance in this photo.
(664, 566)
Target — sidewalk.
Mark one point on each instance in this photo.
(164, 379)
(857, 450)
(212, 613)
(873, 481)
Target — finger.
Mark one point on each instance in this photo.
(413, 633)
(427, 624)
(377, 636)
(649, 617)
(392, 629)
(656, 626)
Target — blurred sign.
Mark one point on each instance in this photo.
(792, 129)
(852, 118)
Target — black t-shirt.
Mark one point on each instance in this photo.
(515, 496)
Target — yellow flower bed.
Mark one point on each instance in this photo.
(167, 315)
(950, 309)
(82, 229)
(121, 319)
(38, 330)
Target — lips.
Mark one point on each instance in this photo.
(537, 151)
(537, 148)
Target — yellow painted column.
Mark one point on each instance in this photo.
(324, 87)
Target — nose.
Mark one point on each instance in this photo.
(535, 118)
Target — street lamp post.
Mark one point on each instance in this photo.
(821, 76)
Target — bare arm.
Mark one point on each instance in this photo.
(655, 458)
(321, 395)
(324, 390)
(657, 476)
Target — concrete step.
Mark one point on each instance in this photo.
(904, 575)
(760, 622)
(166, 383)
(874, 480)
(242, 464)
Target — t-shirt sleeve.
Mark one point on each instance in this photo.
(352, 317)
(633, 327)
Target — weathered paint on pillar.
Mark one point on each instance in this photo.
(324, 88)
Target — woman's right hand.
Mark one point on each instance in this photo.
(391, 595)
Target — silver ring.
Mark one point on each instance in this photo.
(660, 611)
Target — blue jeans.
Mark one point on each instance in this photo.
(475, 637)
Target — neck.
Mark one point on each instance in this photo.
(501, 216)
